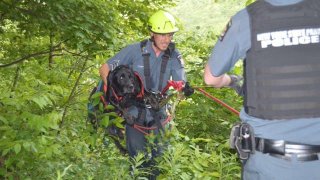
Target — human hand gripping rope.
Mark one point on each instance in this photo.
(189, 90)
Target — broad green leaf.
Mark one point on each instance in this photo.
(17, 148)
(96, 95)
(95, 101)
(216, 174)
(101, 107)
(105, 121)
(42, 101)
(33, 147)
(4, 120)
(119, 125)
(5, 152)
(197, 165)
(110, 107)
(26, 146)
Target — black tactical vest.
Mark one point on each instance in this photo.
(282, 68)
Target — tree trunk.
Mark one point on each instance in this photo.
(51, 49)
(16, 78)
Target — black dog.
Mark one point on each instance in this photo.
(124, 89)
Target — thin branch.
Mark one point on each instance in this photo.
(73, 53)
(24, 58)
(73, 91)
(51, 49)
(57, 55)
(32, 55)
(14, 6)
(89, 67)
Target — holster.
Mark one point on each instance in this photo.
(242, 140)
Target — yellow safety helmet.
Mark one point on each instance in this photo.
(162, 22)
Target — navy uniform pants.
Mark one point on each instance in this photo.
(137, 142)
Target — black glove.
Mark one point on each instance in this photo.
(236, 84)
(187, 90)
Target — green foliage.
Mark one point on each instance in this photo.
(50, 52)
(249, 2)
(206, 15)
(186, 160)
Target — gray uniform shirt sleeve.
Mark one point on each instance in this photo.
(123, 57)
(233, 46)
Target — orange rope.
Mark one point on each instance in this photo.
(218, 101)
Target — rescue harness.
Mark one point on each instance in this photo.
(146, 99)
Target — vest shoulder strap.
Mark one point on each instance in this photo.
(146, 62)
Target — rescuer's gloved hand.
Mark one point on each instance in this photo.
(187, 90)
(236, 84)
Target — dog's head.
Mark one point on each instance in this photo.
(124, 81)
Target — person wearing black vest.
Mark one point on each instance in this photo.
(156, 60)
(279, 42)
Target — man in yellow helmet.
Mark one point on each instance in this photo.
(156, 60)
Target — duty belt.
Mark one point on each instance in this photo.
(287, 150)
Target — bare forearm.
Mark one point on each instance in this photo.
(104, 71)
(216, 81)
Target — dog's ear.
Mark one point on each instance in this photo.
(112, 75)
(109, 77)
(137, 85)
(116, 85)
